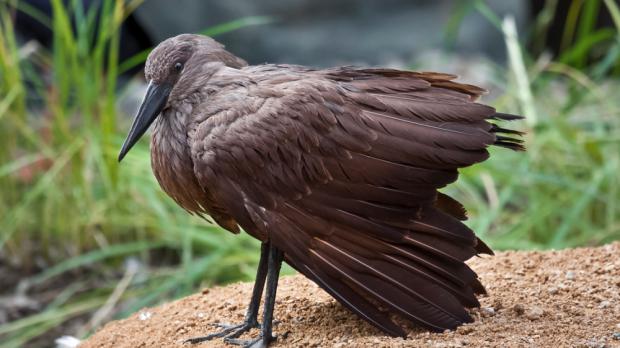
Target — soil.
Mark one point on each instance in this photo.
(568, 298)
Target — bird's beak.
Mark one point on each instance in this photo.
(154, 101)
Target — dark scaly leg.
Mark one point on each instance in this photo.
(266, 335)
(251, 316)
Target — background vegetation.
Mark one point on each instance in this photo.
(70, 214)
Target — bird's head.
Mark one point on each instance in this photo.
(174, 69)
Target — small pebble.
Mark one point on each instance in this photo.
(570, 275)
(616, 336)
(518, 308)
(534, 313)
(67, 342)
(465, 329)
(488, 311)
(145, 315)
(594, 343)
(604, 304)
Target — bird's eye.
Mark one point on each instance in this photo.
(178, 66)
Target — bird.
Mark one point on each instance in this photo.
(336, 171)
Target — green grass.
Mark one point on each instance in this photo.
(66, 200)
(563, 191)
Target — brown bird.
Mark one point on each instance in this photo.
(336, 171)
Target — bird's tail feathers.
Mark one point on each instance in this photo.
(378, 278)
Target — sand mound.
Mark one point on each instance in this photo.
(543, 299)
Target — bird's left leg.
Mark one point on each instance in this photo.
(250, 322)
(273, 272)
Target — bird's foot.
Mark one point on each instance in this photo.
(258, 342)
(229, 332)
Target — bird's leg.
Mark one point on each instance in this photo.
(266, 335)
(250, 321)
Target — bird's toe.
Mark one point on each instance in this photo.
(258, 342)
(229, 331)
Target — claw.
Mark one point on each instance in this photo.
(229, 331)
(258, 342)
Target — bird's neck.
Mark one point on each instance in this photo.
(171, 159)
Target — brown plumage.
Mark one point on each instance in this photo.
(337, 169)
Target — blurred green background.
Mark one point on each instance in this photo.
(84, 240)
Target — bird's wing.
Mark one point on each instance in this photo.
(340, 170)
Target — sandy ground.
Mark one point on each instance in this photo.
(568, 298)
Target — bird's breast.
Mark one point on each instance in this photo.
(172, 163)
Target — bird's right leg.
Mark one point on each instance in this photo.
(251, 316)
